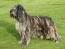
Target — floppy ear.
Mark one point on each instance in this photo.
(19, 7)
(20, 10)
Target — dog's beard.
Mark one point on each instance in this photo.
(13, 16)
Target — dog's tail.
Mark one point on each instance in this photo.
(58, 39)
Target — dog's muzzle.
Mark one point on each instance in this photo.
(12, 14)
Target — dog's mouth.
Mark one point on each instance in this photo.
(13, 16)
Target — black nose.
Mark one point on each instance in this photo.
(11, 15)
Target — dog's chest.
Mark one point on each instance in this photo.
(17, 25)
(20, 26)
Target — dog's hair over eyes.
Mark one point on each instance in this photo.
(33, 25)
(17, 11)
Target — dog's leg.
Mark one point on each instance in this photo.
(22, 32)
(54, 35)
(20, 41)
(58, 39)
(28, 35)
(25, 37)
(43, 34)
(48, 35)
(19, 29)
(41, 37)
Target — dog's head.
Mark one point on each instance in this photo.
(17, 11)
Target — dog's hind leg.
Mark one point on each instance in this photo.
(54, 35)
(58, 39)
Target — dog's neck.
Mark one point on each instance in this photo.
(23, 18)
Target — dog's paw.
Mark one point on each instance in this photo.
(20, 41)
(41, 37)
(57, 41)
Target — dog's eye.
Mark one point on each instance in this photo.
(14, 10)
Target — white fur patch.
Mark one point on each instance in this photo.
(17, 25)
(20, 27)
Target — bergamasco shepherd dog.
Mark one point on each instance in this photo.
(28, 26)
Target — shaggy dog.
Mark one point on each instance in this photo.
(33, 25)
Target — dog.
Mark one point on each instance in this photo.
(33, 25)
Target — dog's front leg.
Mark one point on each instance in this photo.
(22, 29)
(26, 37)
(18, 28)
(20, 41)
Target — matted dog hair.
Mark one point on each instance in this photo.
(33, 25)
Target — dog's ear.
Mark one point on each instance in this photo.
(19, 7)
(21, 10)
